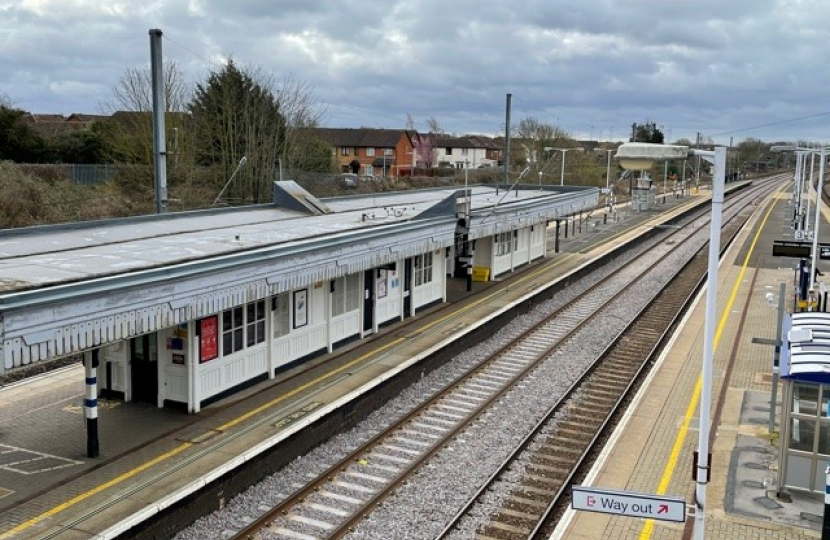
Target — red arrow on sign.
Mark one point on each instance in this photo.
(663, 509)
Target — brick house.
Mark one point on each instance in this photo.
(370, 151)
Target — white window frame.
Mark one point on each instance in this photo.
(246, 327)
(345, 295)
(422, 269)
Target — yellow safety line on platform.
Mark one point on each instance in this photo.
(97, 489)
(668, 472)
(144, 466)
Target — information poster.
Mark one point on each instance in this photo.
(208, 338)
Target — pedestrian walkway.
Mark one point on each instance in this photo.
(652, 449)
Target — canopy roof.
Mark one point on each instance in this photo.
(805, 354)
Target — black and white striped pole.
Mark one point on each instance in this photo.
(91, 403)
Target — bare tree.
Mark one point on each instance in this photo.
(300, 109)
(129, 129)
(433, 126)
(134, 90)
(410, 123)
(533, 136)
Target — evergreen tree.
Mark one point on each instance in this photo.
(648, 132)
(235, 114)
(18, 141)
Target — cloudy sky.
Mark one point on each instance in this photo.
(739, 68)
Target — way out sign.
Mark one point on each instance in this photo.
(625, 503)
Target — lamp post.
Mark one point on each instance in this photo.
(236, 170)
(718, 157)
(562, 172)
(822, 153)
(545, 166)
(608, 172)
(819, 191)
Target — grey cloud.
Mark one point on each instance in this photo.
(702, 65)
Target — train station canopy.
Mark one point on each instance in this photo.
(71, 287)
(805, 354)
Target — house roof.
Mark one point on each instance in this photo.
(83, 117)
(361, 137)
(44, 118)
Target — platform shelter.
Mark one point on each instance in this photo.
(184, 308)
(805, 373)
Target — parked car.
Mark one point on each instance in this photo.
(350, 179)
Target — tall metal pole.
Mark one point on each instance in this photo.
(776, 358)
(608, 172)
(822, 156)
(159, 143)
(506, 145)
(562, 172)
(702, 472)
(812, 167)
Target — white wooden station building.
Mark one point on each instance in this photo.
(183, 308)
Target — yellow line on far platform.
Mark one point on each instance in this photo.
(668, 472)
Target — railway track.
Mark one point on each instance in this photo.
(333, 504)
(553, 454)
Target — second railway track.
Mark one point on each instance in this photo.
(336, 503)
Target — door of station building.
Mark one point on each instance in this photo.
(368, 300)
(407, 288)
(144, 368)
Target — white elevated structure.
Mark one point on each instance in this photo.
(187, 307)
(637, 156)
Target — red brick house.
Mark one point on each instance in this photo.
(370, 151)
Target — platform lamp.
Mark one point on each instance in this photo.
(822, 153)
(545, 166)
(562, 172)
(634, 156)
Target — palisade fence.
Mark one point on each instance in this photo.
(79, 174)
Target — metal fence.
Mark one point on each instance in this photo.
(77, 174)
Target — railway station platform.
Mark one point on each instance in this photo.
(151, 459)
(652, 449)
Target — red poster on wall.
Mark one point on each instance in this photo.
(208, 338)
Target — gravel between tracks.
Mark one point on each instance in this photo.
(422, 507)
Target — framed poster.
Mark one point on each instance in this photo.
(382, 276)
(300, 308)
(208, 338)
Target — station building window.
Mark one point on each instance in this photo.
(255, 319)
(345, 295)
(423, 269)
(505, 243)
(242, 321)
